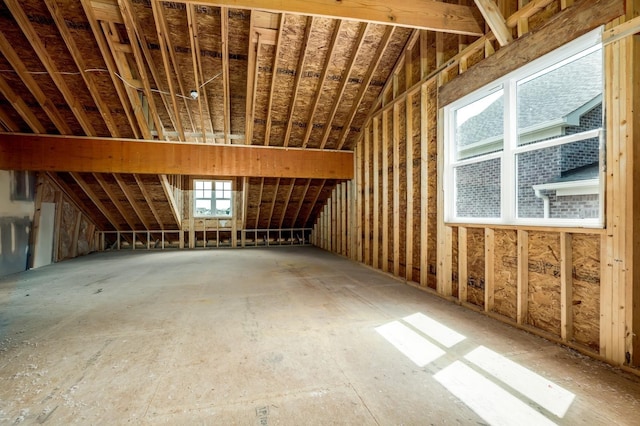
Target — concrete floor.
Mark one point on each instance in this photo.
(275, 336)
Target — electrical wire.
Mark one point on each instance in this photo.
(88, 70)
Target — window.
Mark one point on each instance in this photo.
(212, 198)
(528, 148)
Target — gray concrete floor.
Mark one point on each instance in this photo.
(268, 336)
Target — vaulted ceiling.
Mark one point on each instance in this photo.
(226, 72)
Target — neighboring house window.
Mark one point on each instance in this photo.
(527, 148)
(212, 198)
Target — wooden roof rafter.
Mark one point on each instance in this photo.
(343, 83)
(273, 203)
(21, 107)
(126, 190)
(323, 78)
(168, 192)
(274, 74)
(124, 74)
(49, 64)
(296, 84)
(96, 201)
(167, 58)
(174, 62)
(95, 92)
(226, 85)
(366, 81)
(105, 50)
(147, 197)
(257, 223)
(301, 202)
(113, 197)
(45, 102)
(313, 203)
(196, 60)
(252, 79)
(286, 203)
(140, 52)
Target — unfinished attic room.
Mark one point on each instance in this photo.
(363, 212)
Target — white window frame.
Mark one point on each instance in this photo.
(214, 198)
(508, 155)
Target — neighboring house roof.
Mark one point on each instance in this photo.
(545, 99)
(590, 171)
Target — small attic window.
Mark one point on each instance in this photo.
(212, 198)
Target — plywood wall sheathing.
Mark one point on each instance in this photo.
(475, 266)
(544, 281)
(506, 272)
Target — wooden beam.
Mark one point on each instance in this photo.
(49, 64)
(106, 212)
(489, 269)
(364, 86)
(149, 200)
(395, 147)
(323, 77)
(21, 108)
(300, 203)
(376, 192)
(197, 72)
(132, 200)
(103, 45)
(296, 83)
(273, 203)
(566, 286)
(79, 154)
(167, 55)
(29, 81)
(252, 74)
(257, 224)
(362, 32)
(113, 197)
(425, 14)
(313, 203)
(168, 192)
(522, 299)
(286, 203)
(493, 17)
(367, 197)
(424, 186)
(560, 29)
(463, 274)
(89, 81)
(226, 96)
(274, 74)
(385, 190)
(409, 236)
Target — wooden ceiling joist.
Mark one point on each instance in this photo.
(424, 14)
(108, 155)
(197, 71)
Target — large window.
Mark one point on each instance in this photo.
(212, 198)
(528, 148)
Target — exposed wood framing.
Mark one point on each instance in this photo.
(57, 153)
(493, 17)
(426, 14)
(274, 74)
